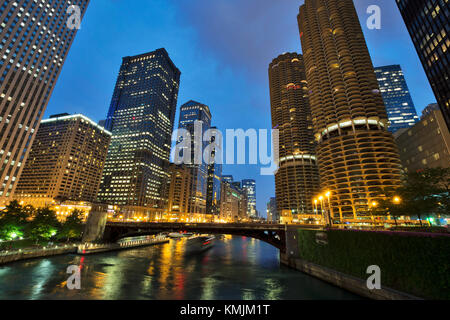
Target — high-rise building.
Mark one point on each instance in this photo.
(179, 193)
(193, 113)
(249, 185)
(228, 178)
(272, 215)
(427, 143)
(397, 99)
(66, 161)
(214, 180)
(141, 119)
(428, 23)
(233, 203)
(357, 156)
(34, 42)
(297, 179)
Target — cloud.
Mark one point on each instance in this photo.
(244, 34)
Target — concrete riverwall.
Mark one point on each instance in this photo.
(292, 258)
(7, 257)
(347, 282)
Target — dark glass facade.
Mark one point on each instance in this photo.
(249, 185)
(428, 23)
(397, 99)
(213, 183)
(141, 119)
(191, 112)
(34, 43)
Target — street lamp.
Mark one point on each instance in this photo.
(397, 201)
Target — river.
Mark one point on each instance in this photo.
(235, 268)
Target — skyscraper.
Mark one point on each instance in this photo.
(190, 113)
(428, 23)
(272, 215)
(141, 119)
(394, 90)
(357, 157)
(214, 181)
(65, 162)
(297, 179)
(249, 185)
(179, 193)
(34, 41)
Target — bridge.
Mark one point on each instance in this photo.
(274, 234)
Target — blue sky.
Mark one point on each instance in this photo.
(223, 49)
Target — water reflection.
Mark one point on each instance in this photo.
(235, 268)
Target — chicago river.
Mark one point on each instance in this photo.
(234, 268)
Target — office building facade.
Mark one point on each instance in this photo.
(428, 23)
(179, 193)
(233, 203)
(192, 113)
(426, 144)
(65, 163)
(297, 178)
(34, 42)
(214, 179)
(141, 119)
(397, 99)
(249, 185)
(357, 156)
(272, 214)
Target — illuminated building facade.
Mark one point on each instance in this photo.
(394, 90)
(297, 179)
(141, 119)
(427, 143)
(249, 185)
(179, 193)
(357, 156)
(233, 203)
(66, 161)
(214, 182)
(190, 113)
(428, 23)
(34, 43)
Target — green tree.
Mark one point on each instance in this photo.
(72, 227)
(424, 193)
(44, 226)
(12, 221)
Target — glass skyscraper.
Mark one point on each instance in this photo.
(428, 23)
(214, 183)
(35, 39)
(249, 185)
(394, 90)
(141, 119)
(190, 112)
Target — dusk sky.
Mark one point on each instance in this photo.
(222, 48)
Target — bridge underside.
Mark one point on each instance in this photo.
(276, 235)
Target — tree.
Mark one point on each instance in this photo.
(44, 226)
(73, 225)
(424, 193)
(12, 221)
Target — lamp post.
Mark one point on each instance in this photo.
(397, 200)
(328, 195)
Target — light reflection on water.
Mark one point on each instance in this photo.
(235, 268)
